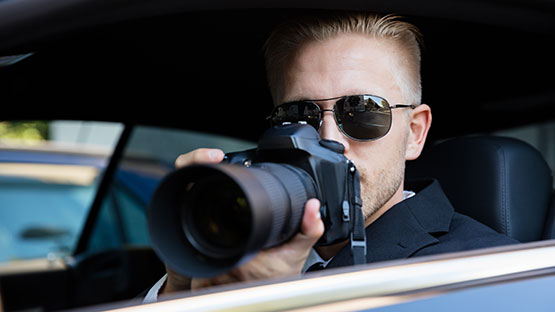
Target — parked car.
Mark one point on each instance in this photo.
(180, 75)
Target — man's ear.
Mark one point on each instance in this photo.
(420, 122)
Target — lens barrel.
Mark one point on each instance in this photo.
(206, 219)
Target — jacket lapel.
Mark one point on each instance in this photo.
(406, 228)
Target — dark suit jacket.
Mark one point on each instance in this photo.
(424, 224)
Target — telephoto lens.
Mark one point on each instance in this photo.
(205, 220)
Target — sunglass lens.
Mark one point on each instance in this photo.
(363, 117)
(296, 112)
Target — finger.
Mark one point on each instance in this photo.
(312, 226)
(198, 156)
(199, 283)
(175, 282)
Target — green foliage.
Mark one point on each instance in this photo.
(24, 130)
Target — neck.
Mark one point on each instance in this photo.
(394, 200)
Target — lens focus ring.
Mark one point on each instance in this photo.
(286, 221)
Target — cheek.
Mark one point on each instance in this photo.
(369, 157)
(374, 158)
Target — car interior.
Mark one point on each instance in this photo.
(203, 70)
(510, 183)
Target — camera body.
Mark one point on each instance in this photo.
(335, 178)
(205, 219)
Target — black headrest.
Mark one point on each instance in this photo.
(501, 182)
(549, 231)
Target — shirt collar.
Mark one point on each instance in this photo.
(314, 258)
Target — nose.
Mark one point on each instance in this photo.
(330, 130)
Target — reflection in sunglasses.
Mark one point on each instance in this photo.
(360, 117)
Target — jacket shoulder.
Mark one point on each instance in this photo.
(466, 233)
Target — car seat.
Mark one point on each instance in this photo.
(501, 182)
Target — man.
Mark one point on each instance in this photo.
(330, 63)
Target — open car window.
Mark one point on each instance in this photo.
(49, 174)
(148, 156)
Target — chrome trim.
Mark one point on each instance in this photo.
(377, 287)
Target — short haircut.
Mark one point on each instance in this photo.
(288, 37)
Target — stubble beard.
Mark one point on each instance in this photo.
(378, 187)
(377, 191)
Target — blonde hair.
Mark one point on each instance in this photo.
(287, 38)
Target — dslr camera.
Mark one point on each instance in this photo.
(206, 219)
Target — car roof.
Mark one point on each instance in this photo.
(523, 15)
(146, 62)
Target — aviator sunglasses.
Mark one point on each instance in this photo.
(361, 117)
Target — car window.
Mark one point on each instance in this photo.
(539, 135)
(149, 155)
(49, 172)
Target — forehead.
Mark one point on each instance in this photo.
(343, 65)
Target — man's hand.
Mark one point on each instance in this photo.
(200, 156)
(280, 261)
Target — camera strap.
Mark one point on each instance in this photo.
(358, 232)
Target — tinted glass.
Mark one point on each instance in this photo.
(363, 117)
(297, 111)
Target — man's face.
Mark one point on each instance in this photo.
(354, 64)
